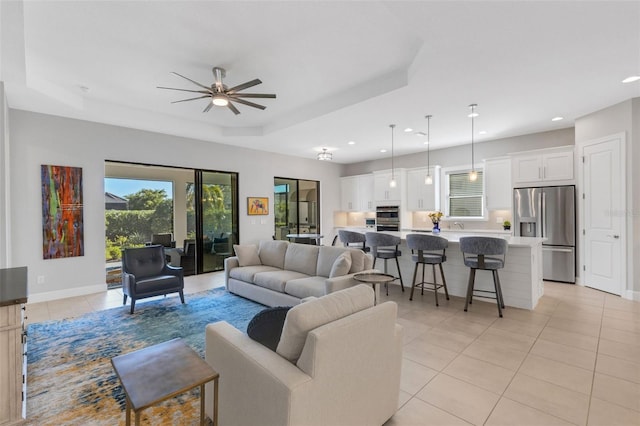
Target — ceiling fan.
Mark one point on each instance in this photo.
(221, 95)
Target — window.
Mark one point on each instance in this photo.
(465, 198)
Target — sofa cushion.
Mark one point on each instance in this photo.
(266, 326)
(326, 257)
(247, 273)
(247, 255)
(272, 253)
(307, 316)
(357, 260)
(301, 258)
(341, 266)
(276, 280)
(305, 287)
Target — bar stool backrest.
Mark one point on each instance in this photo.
(376, 240)
(350, 237)
(483, 246)
(426, 242)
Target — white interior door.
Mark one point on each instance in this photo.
(603, 207)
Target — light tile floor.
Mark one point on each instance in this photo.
(575, 359)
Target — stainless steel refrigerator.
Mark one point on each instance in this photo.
(549, 212)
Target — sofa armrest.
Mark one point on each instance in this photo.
(256, 384)
(229, 264)
(345, 281)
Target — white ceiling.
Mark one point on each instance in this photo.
(342, 70)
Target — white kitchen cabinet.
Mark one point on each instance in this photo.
(356, 193)
(365, 193)
(552, 165)
(497, 183)
(349, 193)
(383, 192)
(420, 196)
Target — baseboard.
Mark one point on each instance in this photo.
(632, 295)
(68, 292)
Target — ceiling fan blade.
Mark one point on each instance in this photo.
(253, 95)
(243, 86)
(184, 90)
(233, 108)
(194, 82)
(208, 107)
(191, 99)
(251, 104)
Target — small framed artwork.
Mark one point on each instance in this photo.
(257, 206)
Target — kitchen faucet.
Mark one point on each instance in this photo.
(460, 224)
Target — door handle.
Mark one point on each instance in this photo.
(614, 236)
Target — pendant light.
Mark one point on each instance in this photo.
(428, 180)
(392, 183)
(473, 175)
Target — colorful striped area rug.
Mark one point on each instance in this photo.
(70, 380)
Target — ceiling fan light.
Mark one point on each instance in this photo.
(220, 100)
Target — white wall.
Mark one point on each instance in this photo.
(5, 228)
(622, 117)
(38, 139)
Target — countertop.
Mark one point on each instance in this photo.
(454, 236)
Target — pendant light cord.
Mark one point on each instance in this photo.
(428, 145)
(392, 168)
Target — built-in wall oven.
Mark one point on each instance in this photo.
(388, 218)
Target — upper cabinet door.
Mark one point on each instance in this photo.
(497, 181)
(382, 189)
(527, 168)
(349, 193)
(365, 193)
(551, 166)
(557, 166)
(422, 196)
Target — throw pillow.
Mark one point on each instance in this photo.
(305, 317)
(266, 327)
(341, 265)
(247, 255)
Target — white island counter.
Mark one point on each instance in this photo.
(521, 278)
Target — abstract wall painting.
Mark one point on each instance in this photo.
(62, 208)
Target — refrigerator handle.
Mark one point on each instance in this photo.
(543, 219)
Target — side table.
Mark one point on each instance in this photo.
(375, 279)
(154, 374)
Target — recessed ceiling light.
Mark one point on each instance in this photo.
(351, 142)
(383, 150)
(631, 79)
(408, 129)
(482, 132)
(426, 142)
(557, 118)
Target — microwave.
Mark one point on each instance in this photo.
(370, 223)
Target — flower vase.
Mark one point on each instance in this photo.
(436, 228)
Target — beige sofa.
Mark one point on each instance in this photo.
(279, 273)
(338, 362)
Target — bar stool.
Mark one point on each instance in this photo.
(353, 239)
(385, 246)
(475, 251)
(431, 251)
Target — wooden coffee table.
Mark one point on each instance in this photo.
(154, 374)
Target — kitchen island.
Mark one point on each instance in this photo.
(521, 277)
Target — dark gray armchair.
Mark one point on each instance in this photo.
(145, 273)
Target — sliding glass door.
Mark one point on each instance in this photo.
(297, 210)
(213, 222)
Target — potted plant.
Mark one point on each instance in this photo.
(506, 225)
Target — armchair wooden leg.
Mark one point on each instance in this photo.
(124, 300)
(133, 305)
(182, 296)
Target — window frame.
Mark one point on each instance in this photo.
(445, 191)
